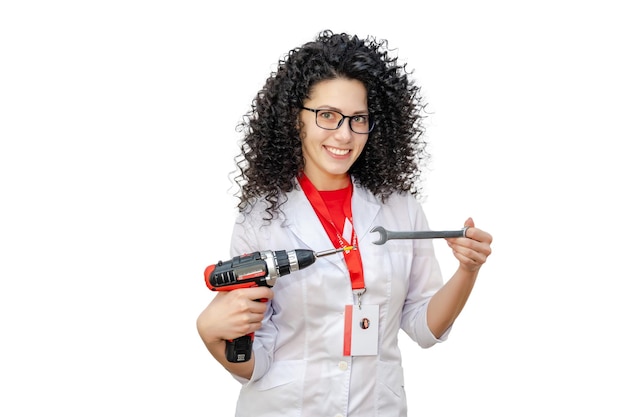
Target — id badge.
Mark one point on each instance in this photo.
(361, 330)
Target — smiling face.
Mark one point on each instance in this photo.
(329, 154)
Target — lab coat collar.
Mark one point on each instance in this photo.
(301, 219)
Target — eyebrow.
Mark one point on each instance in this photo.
(328, 107)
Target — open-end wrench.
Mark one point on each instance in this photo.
(386, 235)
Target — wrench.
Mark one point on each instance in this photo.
(386, 235)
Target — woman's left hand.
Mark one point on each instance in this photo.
(472, 250)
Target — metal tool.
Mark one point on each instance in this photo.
(386, 235)
(323, 253)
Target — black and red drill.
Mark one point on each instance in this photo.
(255, 270)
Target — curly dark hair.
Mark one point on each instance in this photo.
(394, 157)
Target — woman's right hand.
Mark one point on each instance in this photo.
(232, 314)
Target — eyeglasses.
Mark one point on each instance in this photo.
(332, 120)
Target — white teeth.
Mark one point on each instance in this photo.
(339, 152)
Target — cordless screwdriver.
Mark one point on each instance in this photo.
(257, 269)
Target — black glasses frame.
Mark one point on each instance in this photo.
(343, 117)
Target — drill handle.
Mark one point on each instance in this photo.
(240, 349)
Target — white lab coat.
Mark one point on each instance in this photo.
(300, 369)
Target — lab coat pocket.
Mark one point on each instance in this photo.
(390, 379)
(284, 380)
(281, 373)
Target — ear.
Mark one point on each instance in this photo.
(299, 122)
(299, 127)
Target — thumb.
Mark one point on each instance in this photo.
(469, 222)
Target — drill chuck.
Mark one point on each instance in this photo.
(283, 262)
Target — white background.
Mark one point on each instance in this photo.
(117, 128)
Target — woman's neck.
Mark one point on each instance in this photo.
(329, 182)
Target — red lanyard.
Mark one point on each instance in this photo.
(352, 257)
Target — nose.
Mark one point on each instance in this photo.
(344, 132)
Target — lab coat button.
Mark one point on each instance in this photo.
(343, 365)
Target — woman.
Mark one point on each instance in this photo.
(333, 147)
